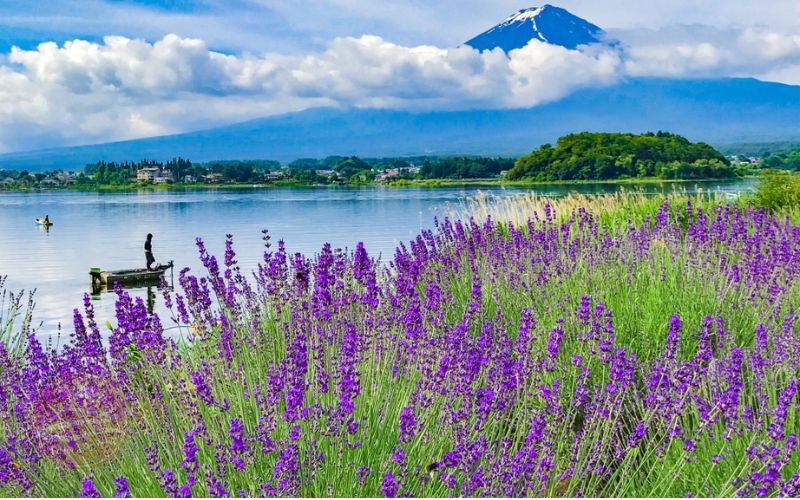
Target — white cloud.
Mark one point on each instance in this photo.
(124, 88)
(121, 88)
(702, 51)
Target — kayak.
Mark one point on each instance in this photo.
(42, 222)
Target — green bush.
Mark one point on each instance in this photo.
(778, 190)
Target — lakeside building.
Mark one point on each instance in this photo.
(164, 177)
(744, 160)
(275, 176)
(65, 177)
(387, 174)
(154, 175)
(147, 174)
(394, 173)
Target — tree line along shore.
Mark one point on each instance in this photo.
(581, 157)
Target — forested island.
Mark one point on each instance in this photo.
(582, 157)
(602, 156)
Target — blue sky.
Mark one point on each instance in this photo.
(267, 25)
(83, 71)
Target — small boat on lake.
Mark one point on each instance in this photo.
(128, 277)
(44, 222)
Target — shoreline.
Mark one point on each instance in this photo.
(400, 184)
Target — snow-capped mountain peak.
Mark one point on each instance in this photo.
(525, 14)
(546, 23)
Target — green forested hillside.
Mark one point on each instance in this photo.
(602, 156)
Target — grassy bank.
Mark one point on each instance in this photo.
(628, 181)
(777, 191)
(634, 346)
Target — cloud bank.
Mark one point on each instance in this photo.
(682, 51)
(122, 88)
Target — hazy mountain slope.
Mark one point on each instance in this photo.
(716, 111)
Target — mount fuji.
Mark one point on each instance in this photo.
(547, 24)
(718, 111)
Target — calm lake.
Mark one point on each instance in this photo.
(108, 230)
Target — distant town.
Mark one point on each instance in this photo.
(334, 170)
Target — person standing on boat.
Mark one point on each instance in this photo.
(148, 251)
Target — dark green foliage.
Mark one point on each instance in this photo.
(759, 149)
(305, 164)
(315, 164)
(242, 171)
(104, 172)
(602, 156)
(348, 167)
(362, 177)
(783, 161)
(257, 165)
(306, 176)
(389, 163)
(464, 167)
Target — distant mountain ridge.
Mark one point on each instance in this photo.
(547, 24)
(714, 111)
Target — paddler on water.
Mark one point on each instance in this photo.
(148, 251)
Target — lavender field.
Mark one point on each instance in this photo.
(654, 354)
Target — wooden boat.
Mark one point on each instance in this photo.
(128, 277)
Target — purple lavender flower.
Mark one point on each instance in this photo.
(399, 456)
(170, 483)
(202, 389)
(390, 487)
(190, 463)
(216, 487)
(637, 435)
(238, 446)
(785, 401)
(408, 424)
(585, 309)
(673, 337)
(121, 489)
(730, 400)
(88, 489)
(362, 472)
(553, 346)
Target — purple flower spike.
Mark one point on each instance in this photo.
(88, 489)
(389, 488)
(121, 489)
